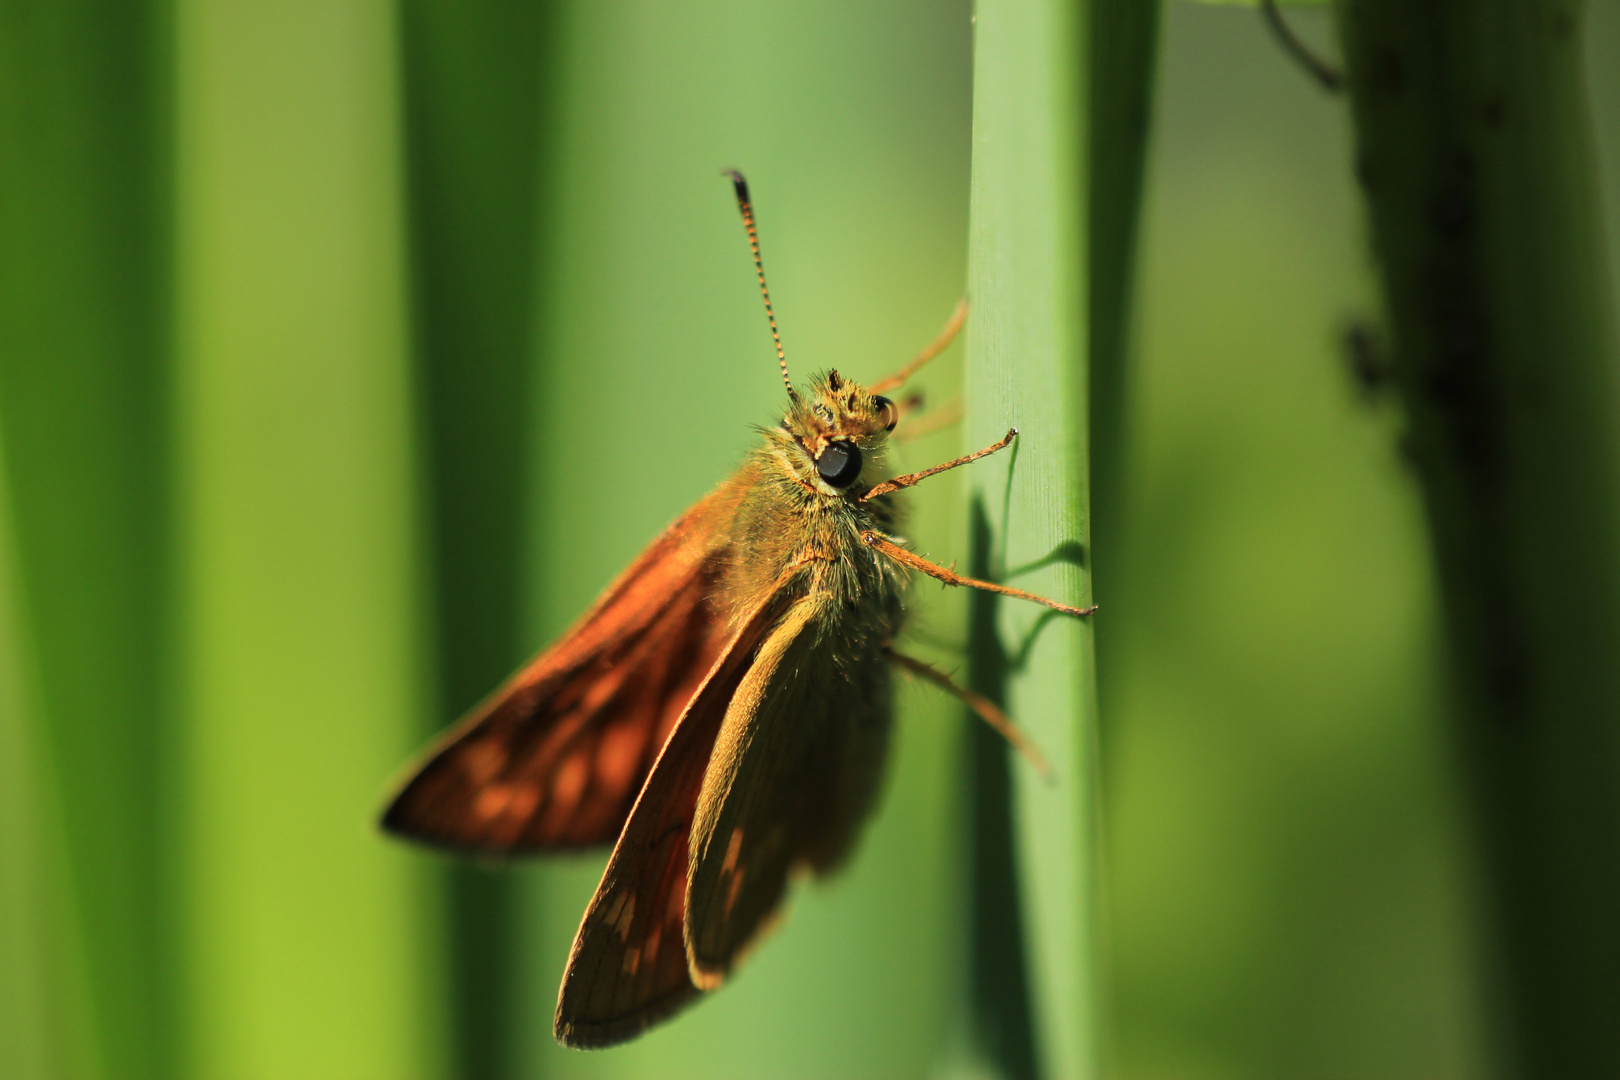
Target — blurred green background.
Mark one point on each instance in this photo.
(348, 349)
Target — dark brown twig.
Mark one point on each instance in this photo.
(1330, 77)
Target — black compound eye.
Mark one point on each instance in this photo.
(840, 464)
(887, 409)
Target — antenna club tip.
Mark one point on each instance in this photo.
(737, 182)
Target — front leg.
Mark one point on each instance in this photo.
(951, 577)
(912, 478)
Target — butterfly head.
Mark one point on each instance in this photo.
(838, 431)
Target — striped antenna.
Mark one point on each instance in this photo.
(747, 208)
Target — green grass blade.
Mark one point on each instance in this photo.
(475, 97)
(307, 936)
(1476, 156)
(46, 1026)
(1027, 368)
(83, 322)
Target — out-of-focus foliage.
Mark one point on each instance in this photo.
(221, 606)
(87, 960)
(298, 678)
(1479, 173)
(1288, 895)
(1257, 3)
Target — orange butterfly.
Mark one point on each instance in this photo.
(722, 710)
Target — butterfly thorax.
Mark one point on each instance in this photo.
(800, 505)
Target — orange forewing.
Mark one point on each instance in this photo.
(555, 758)
(628, 967)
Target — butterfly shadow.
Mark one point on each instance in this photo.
(1001, 1001)
(1000, 988)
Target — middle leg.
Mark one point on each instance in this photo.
(951, 577)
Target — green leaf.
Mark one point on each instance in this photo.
(84, 301)
(307, 936)
(46, 1022)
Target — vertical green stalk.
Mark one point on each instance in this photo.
(47, 1030)
(475, 97)
(1027, 368)
(307, 937)
(84, 269)
(1475, 154)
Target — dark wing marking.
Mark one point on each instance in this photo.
(554, 759)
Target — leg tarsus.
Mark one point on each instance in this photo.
(987, 710)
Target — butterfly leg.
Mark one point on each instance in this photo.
(988, 710)
(917, 477)
(951, 577)
(935, 347)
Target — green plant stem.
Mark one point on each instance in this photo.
(1027, 367)
(1475, 155)
(309, 941)
(475, 87)
(84, 330)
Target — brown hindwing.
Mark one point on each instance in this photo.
(628, 967)
(793, 774)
